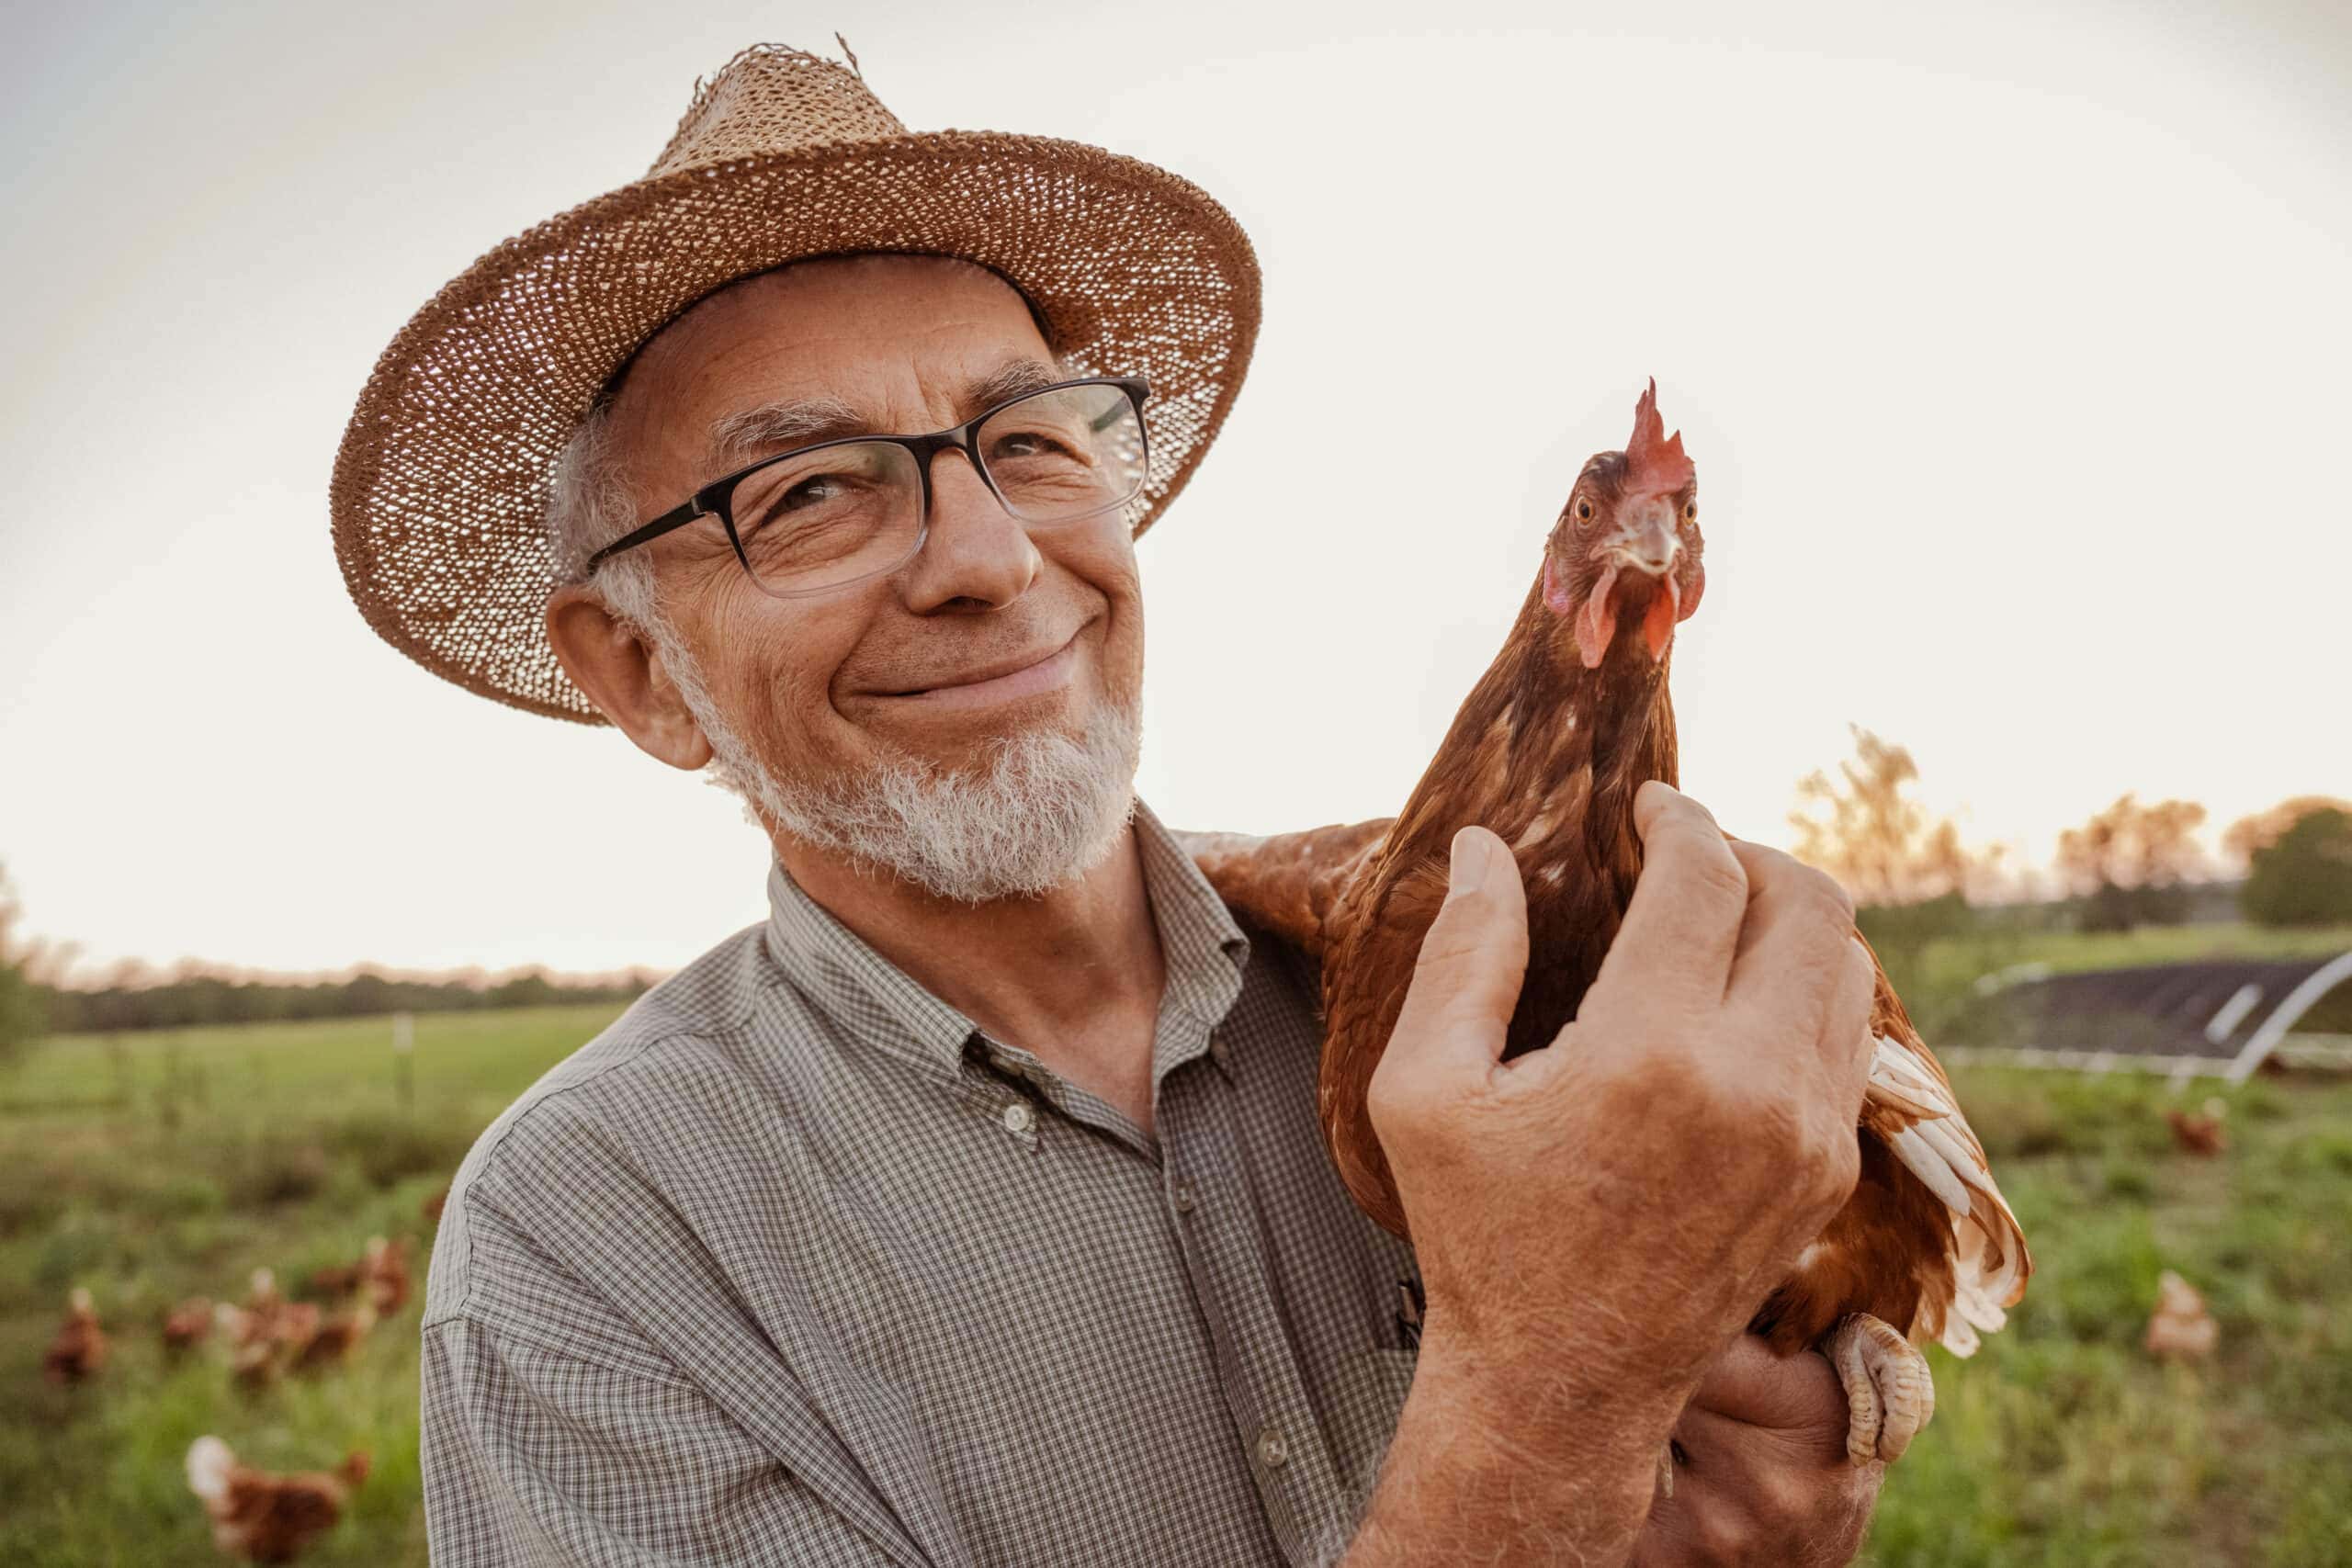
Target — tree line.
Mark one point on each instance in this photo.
(191, 999)
(193, 995)
(2133, 863)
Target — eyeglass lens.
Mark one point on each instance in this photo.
(845, 511)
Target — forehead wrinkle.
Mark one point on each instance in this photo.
(749, 433)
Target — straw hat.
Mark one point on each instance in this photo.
(440, 488)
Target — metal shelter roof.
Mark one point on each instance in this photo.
(2222, 1017)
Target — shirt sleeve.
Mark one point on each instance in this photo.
(535, 1457)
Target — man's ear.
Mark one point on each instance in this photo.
(622, 675)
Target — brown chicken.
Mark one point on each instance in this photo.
(80, 1347)
(383, 1268)
(2198, 1134)
(263, 1518)
(331, 1343)
(2180, 1328)
(189, 1324)
(263, 1301)
(267, 1332)
(336, 1278)
(1548, 751)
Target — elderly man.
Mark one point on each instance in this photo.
(972, 1209)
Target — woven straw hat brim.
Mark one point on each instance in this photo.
(440, 488)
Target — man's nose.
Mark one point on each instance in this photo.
(977, 551)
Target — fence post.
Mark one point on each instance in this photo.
(404, 1059)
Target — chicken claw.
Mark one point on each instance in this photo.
(1890, 1394)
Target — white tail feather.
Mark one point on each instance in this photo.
(1922, 1160)
(208, 1463)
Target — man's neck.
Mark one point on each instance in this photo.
(1073, 975)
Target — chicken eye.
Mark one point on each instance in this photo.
(1690, 512)
(1584, 508)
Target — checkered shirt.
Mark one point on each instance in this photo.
(796, 1264)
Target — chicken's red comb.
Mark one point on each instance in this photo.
(1654, 460)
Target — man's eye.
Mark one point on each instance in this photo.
(1032, 444)
(816, 497)
(811, 493)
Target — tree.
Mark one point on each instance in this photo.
(1908, 873)
(22, 1016)
(1866, 830)
(2250, 835)
(2131, 863)
(2303, 878)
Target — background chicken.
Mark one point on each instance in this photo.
(189, 1324)
(2200, 1134)
(265, 1331)
(80, 1347)
(2180, 1328)
(331, 1342)
(384, 1265)
(1548, 752)
(263, 1518)
(381, 1267)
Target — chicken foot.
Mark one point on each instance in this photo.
(1890, 1394)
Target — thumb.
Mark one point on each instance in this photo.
(1465, 982)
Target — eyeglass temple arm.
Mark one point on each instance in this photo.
(677, 517)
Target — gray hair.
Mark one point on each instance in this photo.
(589, 505)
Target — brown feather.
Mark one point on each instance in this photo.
(1287, 884)
(1548, 753)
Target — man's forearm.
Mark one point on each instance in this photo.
(1487, 1468)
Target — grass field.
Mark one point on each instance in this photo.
(155, 1166)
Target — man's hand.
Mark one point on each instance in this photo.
(1761, 1474)
(1596, 1219)
(1632, 1190)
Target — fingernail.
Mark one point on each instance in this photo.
(1469, 863)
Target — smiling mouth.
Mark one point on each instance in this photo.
(1018, 680)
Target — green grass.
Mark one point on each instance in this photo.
(158, 1167)
(2062, 1442)
(1964, 958)
(154, 1167)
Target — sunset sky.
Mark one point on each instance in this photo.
(2011, 344)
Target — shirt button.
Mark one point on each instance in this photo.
(1272, 1449)
(1183, 1197)
(1018, 1116)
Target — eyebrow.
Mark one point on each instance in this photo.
(748, 434)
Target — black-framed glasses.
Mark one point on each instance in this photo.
(827, 515)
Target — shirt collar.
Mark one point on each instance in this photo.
(1204, 951)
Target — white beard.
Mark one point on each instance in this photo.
(1043, 809)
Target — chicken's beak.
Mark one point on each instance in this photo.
(1644, 542)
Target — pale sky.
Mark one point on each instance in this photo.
(2011, 344)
